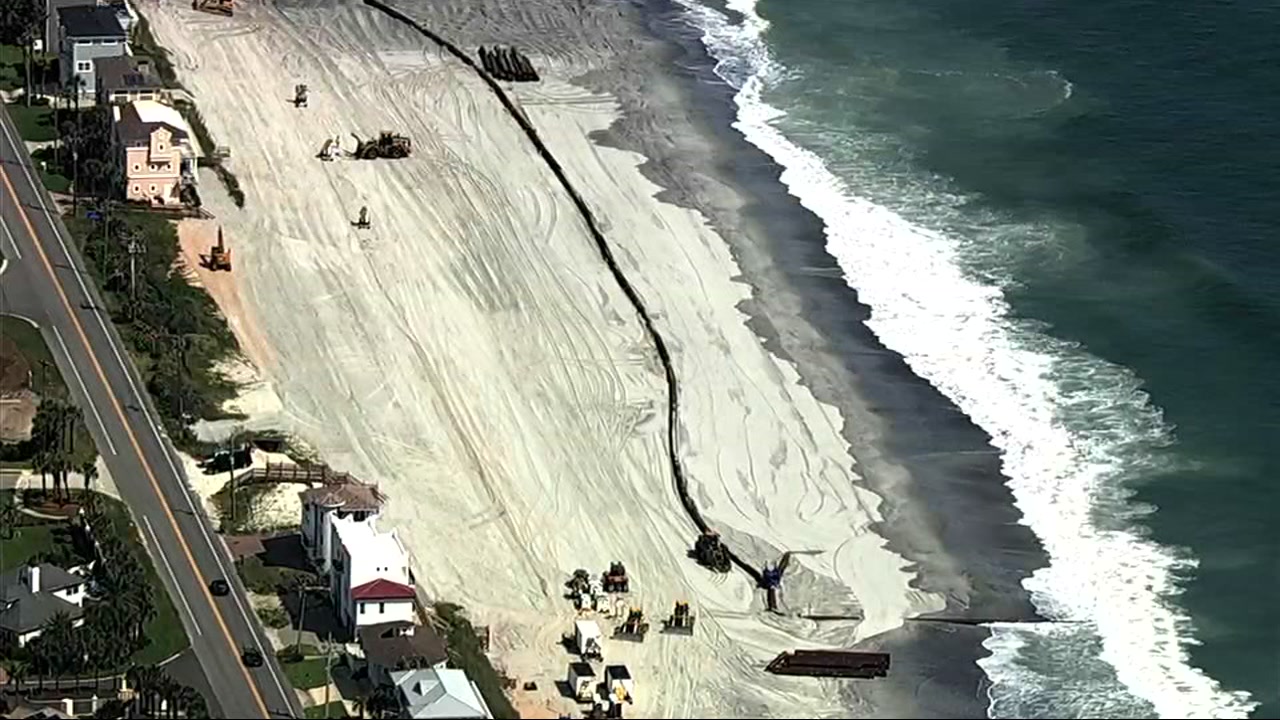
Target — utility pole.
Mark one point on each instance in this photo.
(328, 673)
(135, 249)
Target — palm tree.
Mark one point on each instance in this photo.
(383, 702)
(8, 518)
(89, 470)
(18, 670)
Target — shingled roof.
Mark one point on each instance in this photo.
(90, 21)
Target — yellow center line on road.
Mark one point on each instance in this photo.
(115, 405)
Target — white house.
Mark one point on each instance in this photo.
(369, 578)
(32, 595)
(439, 693)
(346, 497)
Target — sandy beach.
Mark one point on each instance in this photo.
(472, 354)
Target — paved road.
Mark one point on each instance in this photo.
(44, 271)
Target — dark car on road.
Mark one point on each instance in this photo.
(251, 657)
(219, 587)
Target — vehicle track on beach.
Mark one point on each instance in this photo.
(606, 251)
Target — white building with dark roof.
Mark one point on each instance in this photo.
(32, 595)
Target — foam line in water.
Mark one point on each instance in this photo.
(1069, 426)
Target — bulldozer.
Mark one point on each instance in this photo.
(616, 579)
(217, 7)
(710, 552)
(634, 628)
(681, 620)
(387, 145)
(219, 257)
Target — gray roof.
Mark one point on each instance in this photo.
(439, 694)
(124, 73)
(90, 21)
(26, 611)
(52, 579)
(32, 612)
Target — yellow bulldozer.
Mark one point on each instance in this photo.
(217, 7)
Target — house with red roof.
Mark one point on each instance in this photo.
(369, 574)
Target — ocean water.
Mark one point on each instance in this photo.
(1063, 216)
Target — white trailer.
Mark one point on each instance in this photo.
(587, 636)
(582, 681)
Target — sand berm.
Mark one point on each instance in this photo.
(472, 353)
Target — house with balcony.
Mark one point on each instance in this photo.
(32, 595)
(339, 496)
(87, 32)
(157, 150)
(400, 645)
(369, 576)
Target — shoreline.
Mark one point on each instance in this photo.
(373, 442)
(892, 416)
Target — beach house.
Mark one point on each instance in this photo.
(392, 646)
(340, 496)
(35, 593)
(156, 150)
(86, 32)
(438, 693)
(369, 574)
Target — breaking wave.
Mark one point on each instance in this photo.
(1070, 428)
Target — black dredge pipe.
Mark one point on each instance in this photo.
(677, 469)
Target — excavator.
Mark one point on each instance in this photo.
(219, 257)
(217, 7)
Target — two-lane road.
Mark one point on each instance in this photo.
(140, 458)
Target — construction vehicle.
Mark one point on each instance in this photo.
(217, 7)
(219, 257)
(771, 578)
(586, 638)
(362, 222)
(386, 145)
(616, 579)
(331, 149)
(710, 552)
(299, 96)
(634, 628)
(681, 620)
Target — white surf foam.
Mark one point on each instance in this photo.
(1068, 425)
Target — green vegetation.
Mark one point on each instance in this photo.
(161, 635)
(11, 70)
(270, 579)
(174, 330)
(144, 43)
(273, 617)
(55, 182)
(304, 673)
(152, 686)
(36, 123)
(46, 382)
(467, 653)
(27, 542)
(336, 710)
(248, 499)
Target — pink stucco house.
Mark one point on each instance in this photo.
(158, 152)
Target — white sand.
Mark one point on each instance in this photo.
(472, 354)
(279, 507)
